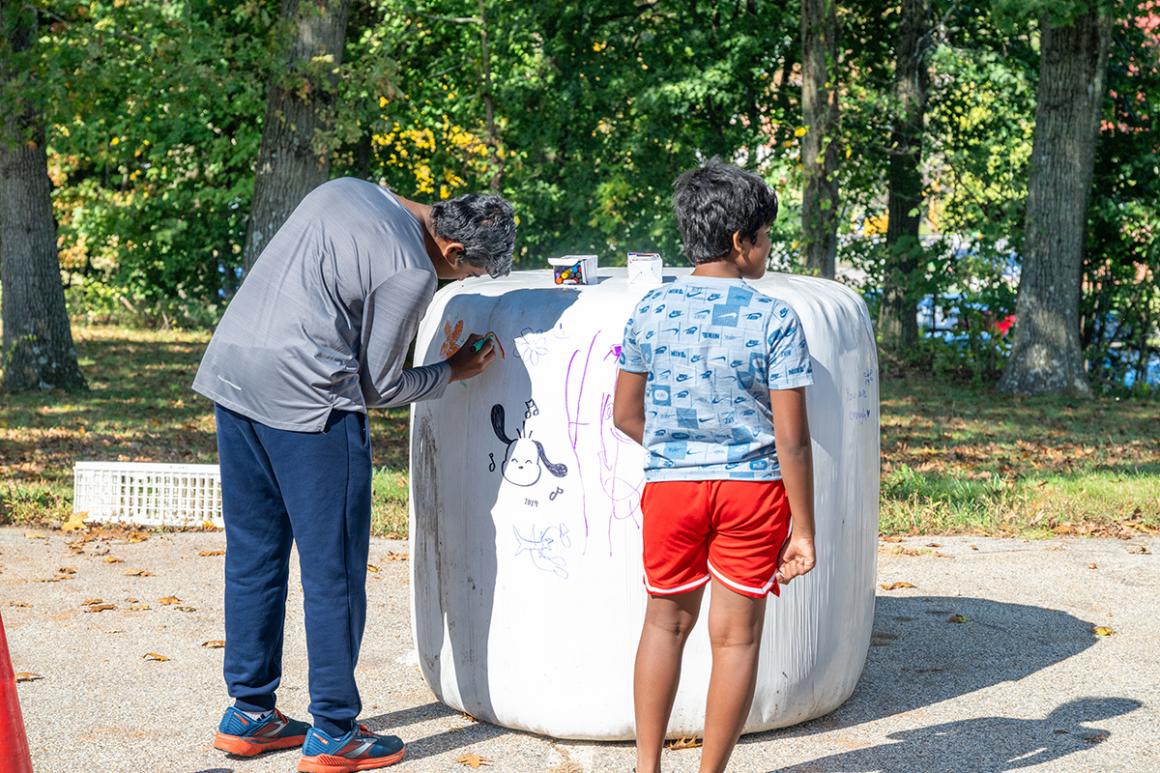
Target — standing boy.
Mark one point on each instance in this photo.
(709, 368)
(317, 334)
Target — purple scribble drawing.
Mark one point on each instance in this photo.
(622, 494)
(574, 413)
(542, 545)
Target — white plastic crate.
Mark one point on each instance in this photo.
(180, 495)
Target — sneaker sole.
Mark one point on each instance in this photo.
(328, 763)
(252, 747)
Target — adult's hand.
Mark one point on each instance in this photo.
(468, 363)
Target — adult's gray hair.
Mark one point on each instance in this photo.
(715, 201)
(484, 224)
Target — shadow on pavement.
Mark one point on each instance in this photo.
(981, 745)
(919, 656)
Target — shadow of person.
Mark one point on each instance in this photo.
(456, 471)
(919, 657)
(983, 744)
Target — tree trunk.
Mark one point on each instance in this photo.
(1045, 354)
(300, 106)
(489, 100)
(38, 349)
(897, 326)
(820, 144)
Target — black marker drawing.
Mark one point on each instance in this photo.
(531, 409)
(555, 493)
(525, 459)
(491, 467)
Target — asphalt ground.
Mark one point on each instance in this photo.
(993, 661)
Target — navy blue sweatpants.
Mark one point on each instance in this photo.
(312, 489)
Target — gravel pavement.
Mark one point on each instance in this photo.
(989, 663)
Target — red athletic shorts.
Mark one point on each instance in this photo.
(729, 529)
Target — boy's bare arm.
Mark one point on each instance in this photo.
(791, 433)
(628, 404)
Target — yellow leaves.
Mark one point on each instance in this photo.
(115, 141)
(63, 573)
(33, 535)
(800, 132)
(393, 556)
(473, 760)
(76, 521)
(27, 676)
(383, 101)
(167, 601)
(19, 604)
(683, 743)
(957, 619)
(373, 569)
(599, 46)
(1093, 565)
(155, 656)
(207, 553)
(1103, 630)
(113, 560)
(896, 585)
(213, 644)
(138, 573)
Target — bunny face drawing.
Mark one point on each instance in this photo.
(526, 460)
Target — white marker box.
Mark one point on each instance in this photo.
(645, 268)
(574, 269)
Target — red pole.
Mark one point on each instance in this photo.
(14, 756)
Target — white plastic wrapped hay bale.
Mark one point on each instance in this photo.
(527, 599)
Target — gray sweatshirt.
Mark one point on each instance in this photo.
(324, 319)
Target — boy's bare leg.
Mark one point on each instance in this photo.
(735, 624)
(668, 620)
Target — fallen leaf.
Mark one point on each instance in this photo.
(393, 556)
(91, 602)
(974, 547)
(464, 715)
(66, 570)
(18, 604)
(185, 609)
(473, 760)
(957, 619)
(25, 676)
(207, 553)
(155, 656)
(137, 536)
(139, 608)
(1139, 550)
(213, 644)
(75, 522)
(896, 585)
(891, 538)
(168, 600)
(1102, 630)
(131, 600)
(138, 573)
(113, 560)
(1093, 566)
(683, 743)
(934, 544)
(33, 535)
(372, 569)
(100, 607)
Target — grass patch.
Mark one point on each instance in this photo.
(955, 459)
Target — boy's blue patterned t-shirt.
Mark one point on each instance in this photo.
(713, 349)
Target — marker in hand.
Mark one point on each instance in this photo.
(478, 345)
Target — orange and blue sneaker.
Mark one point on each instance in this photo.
(360, 749)
(245, 736)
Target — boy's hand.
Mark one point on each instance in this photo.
(468, 363)
(796, 559)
